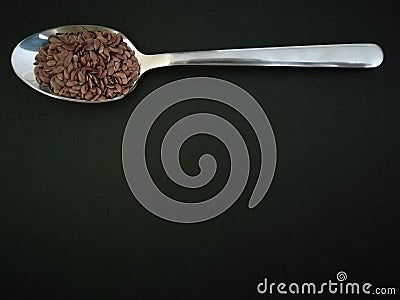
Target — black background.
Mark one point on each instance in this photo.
(70, 227)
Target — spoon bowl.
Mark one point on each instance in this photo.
(364, 55)
(24, 53)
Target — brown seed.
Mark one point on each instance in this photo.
(102, 40)
(63, 54)
(72, 91)
(76, 87)
(109, 93)
(86, 33)
(81, 77)
(83, 60)
(58, 81)
(70, 67)
(51, 63)
(93, 56)
(66, 74)
(99, 71)
(54, 40)
(114, 58)
(116, 41)
(110, 64)
(118, 87)
(121, 75)
(44, 78)
(110, 70)
(96, 44)
(95, 80)
(90, 70)
(78, 48)
(123, 46)
(88, 96)
(125, 91)
(54, 84)
(72, 76)
(48, 69)
(58, 69)
(124, 81)
(112, 38)
(68, 59)
(84, 89)
(68, 47)
(119, 56)
(134, 76)
(60, 76)
(102, 59)
(134, 68)
(42, 52)
(101, 48)
(71, 83)
(53, 46)
(116, 50)
(64, 38)
(116, 66)
(89, 46)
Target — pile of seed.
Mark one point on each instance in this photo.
(87, 65)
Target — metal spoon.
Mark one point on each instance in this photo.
(338, 55)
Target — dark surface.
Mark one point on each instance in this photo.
(70, 227)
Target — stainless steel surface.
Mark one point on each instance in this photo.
(339, 55)
(342, 56)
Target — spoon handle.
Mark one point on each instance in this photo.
(338, 55)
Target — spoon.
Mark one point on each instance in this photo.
(336, 55)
